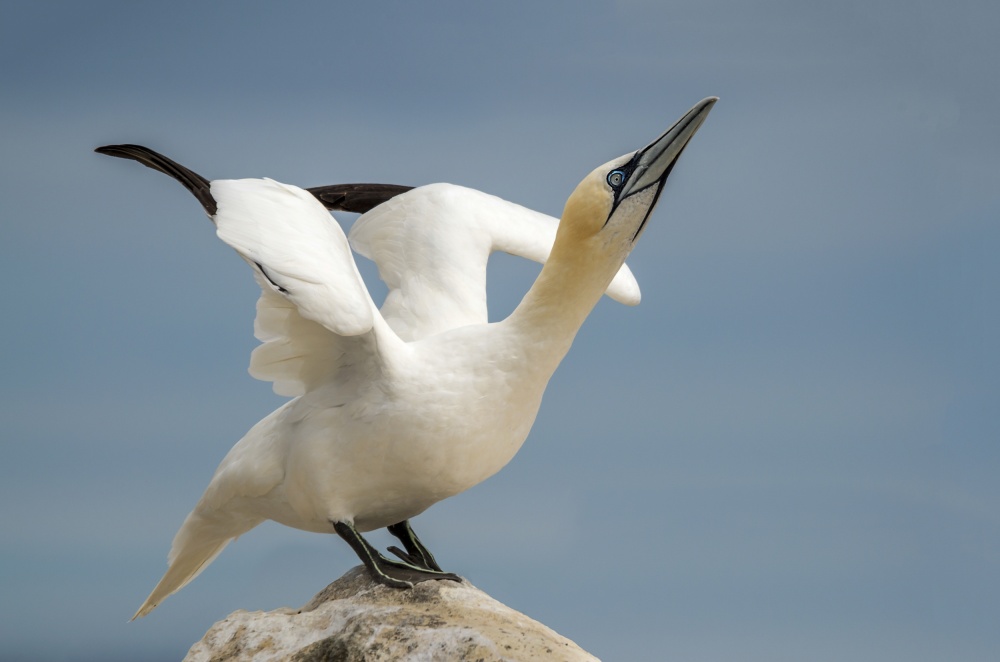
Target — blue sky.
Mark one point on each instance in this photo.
(788, 451)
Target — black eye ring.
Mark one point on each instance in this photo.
(615, 178)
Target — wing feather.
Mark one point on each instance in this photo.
(296, 354)
(290, 237)
(314, 314)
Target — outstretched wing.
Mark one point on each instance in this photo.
(314, 315)
(432, 244)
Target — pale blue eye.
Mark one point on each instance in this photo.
(615, 178)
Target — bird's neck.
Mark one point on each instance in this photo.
(570, 284)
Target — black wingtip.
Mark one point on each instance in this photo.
(358, 198)
(192, 181)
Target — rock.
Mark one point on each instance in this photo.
(355, 619)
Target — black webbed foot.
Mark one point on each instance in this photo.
(416, 553)
(406, 558)
(383, 570)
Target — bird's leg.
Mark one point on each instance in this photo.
(382, 570)
(415, 554)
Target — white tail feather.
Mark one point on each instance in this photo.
(201, 538)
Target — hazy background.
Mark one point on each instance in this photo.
(789, 451)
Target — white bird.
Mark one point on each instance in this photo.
(396, 410)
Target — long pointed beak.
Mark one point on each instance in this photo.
(652, 164)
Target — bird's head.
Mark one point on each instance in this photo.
(609, 208)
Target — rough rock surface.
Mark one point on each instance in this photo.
(354, 619)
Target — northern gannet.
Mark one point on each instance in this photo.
(395, 410)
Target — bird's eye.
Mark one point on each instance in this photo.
(615, 178)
